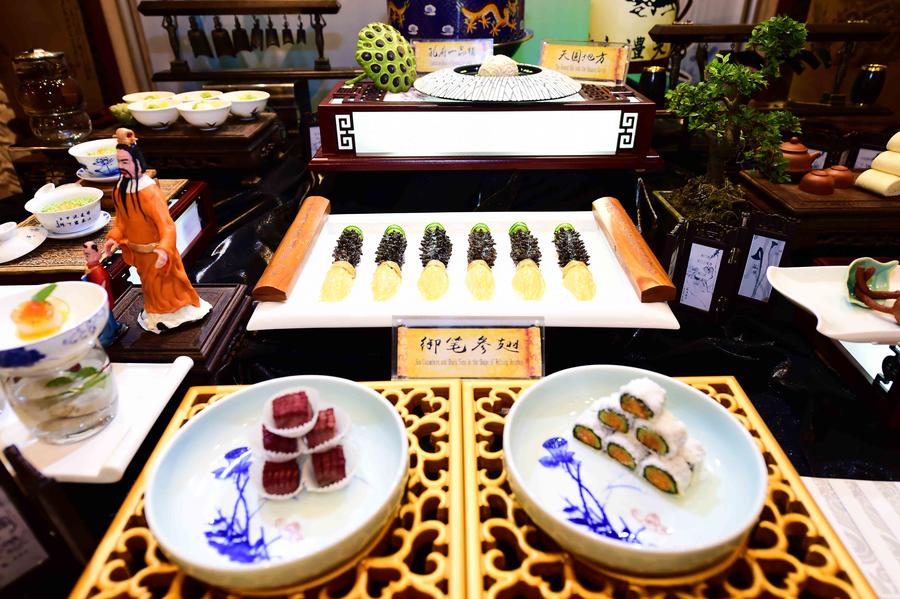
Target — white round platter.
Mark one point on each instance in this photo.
(533, 84)
(24, 241)
(98, 225)
(589, 503)
(206, 512)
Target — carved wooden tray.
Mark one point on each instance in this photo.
(793, 551)
(419, 554)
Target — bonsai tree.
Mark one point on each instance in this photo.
(718, 106)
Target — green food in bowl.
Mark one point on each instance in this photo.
(248, 96)
(67, 204)
(157, 105)
(207, 95)
(206, 105)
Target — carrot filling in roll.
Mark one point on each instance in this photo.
(621, 455)
(652, 441)
(633, 405)
(613, 420)
(660, 479)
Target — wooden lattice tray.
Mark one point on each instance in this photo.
(420, 553)
(792, 551)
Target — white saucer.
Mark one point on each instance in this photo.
(82, 174)
(98, 224)
(25, 240)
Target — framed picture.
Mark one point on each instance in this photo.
(764, 252)
(700, 266)
(864, 147)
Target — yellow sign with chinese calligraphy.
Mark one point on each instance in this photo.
(434, 55)
(596, 61)
(476, 353)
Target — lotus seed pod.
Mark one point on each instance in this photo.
(386, 57)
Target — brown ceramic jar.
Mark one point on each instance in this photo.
(799, 158)
(843, 176)
(817, 182)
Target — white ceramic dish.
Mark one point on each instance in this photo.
(205, 119)
(88, 308)
(98, 224)
(203, 94)
(139, 96)
(84, 175)
(23, 241)
(71, 220)
(7, 231)
(102, 165)
(272, 543)
(247, 109)
(680, 533)
(615, 305)
(822, 290)
(155, 114)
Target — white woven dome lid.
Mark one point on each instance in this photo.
(532, 85)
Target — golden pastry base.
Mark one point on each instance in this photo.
(792, 551)
(420, 553)
(460, 533)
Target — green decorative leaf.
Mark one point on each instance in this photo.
(59, 381)
(44, 293)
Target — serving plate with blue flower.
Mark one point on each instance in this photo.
(608, 515)
(205, 509)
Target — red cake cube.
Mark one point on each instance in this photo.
(325, 429)
(277, 443)
(291, 410)
(281, 478)
(330, 466)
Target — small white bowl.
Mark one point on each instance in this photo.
(156, 114)
(247, 104)
(88, 309)
(7, 231)
(138, 96)
(97, 165)
(203, 94)
(206, 119)
(71, 220)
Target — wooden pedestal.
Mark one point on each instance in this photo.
(208, 342)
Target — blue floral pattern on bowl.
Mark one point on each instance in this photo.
(232, 534)
(587, 511)
(20, 357)
(105, 165)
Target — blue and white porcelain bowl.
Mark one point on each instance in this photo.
(209, 518)
(247, 104)
(206, 115)
(98, 157)
(69, 220)
(88, 309)
(608, 515)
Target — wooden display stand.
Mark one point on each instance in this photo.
(848, 218)
(208, 342)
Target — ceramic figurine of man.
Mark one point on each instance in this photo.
(94, 272)
(145, 232)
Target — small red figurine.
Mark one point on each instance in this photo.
(94, 272)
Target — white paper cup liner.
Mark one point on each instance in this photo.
(343, 426)
(256, 471)
(276, 456)
(297, 431)
(309, 477)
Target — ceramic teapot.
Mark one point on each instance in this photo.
(799, 158)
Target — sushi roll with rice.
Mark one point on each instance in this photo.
(664, 435)
(670, 475)
(589, 431)
(626, 450)
(610, 413)
(642, 398)
(693, 453)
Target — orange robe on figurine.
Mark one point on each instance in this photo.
(145, 232)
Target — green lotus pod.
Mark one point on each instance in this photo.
(386, 57)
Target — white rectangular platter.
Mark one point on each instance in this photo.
(615, 305)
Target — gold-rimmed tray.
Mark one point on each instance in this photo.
(420, 552)
(792, 551)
